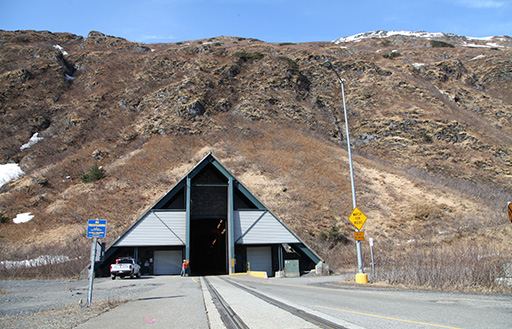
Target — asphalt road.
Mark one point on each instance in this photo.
(160, 301)
(174, 301)
(368, 307)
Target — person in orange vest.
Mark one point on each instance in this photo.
(184, 267)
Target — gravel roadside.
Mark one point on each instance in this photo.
(62, 303)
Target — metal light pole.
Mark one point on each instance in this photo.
(354, 201)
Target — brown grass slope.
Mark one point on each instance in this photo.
(431, 131)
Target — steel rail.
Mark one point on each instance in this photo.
(316, 320)
(228, 316)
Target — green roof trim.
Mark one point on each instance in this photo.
(180, 187)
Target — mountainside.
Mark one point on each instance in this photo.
(430, 119)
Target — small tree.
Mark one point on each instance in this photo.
(94, 174)
(245, 56)
(441, 44)
(393, 55)
(4, 219)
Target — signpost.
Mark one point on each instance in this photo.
(96, 229)
(373, 260)
(361, 277)
(357, 218)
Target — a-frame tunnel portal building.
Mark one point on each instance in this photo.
(215, 222)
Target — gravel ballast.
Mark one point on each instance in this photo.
(62, 303)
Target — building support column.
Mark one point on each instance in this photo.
(188, 205)
(280, 256)
(231, 227)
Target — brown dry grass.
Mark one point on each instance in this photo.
(76, 251)
(417, 187)
(290, 170)
(462, 266)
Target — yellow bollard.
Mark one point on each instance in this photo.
(361, 278)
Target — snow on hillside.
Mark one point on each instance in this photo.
(39, 261)
(9, 172)
(58, 47)
(23, 218)
(12, 171)
(461, 40)
(33, 140)
(386, 34)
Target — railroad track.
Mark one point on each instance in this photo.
(229, 317)
(232, 320)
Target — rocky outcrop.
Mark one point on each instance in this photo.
(441, 110)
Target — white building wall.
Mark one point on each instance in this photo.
(260, 227)
(157, 229)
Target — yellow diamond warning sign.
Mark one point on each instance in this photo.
(357, 218)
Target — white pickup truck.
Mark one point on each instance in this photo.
(125, 267)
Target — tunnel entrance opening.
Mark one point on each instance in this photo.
(208, 246)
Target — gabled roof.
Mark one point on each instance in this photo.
(209, 158)
(197, 169)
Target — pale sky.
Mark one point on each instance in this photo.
(152, 21)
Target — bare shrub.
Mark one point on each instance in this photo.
(61, 262)
(342, 257)
(462, 267)
(476, 190)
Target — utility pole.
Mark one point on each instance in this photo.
(361, 277)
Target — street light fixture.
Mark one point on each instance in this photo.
(361, 277)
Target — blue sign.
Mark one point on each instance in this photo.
(97, 228)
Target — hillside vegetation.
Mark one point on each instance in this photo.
(430, 125)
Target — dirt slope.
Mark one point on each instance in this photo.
(430, 127)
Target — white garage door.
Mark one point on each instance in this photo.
(167, 262)
(260, 259)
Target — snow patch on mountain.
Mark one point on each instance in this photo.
(34, 262)
(32, 141)
(386, 34)
(487, 42)
(23, 218)
(62, 51)
(9, 172)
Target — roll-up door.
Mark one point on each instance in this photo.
(260, 259)
(167, 262)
